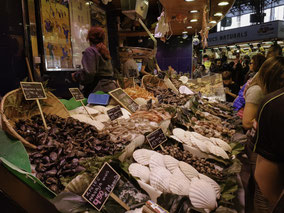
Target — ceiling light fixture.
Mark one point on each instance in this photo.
(213, 22)
(189, 27)
(193, 20)
(218, 14)
(194, 11)
(184, 32)
(223, 3)
(188, 0)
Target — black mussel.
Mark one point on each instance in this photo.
(51, 172)
(53, 156)
(51, 180)
(45, 159)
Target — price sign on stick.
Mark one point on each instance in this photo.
(34, 91)
(156, 138)
(101, 188)
(124, 100)
(77, 94)
(114, 113)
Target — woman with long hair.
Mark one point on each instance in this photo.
(97, 72)
(269, 78)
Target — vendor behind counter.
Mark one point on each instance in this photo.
(97, 73)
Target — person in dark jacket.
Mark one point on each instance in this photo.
(97, 73)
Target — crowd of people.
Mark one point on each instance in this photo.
(255, 86)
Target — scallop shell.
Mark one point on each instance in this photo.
(202, 195)
(160, 178)
(176, 138)
(225, 146)
(156, 160)
(152, 192)
(179, 184)
(195, 151)
(143, 156)
(179, 133)
(188, 170)
(216, 150)
(140, 171)
(202, 145)
(215, 185)
(171, 163)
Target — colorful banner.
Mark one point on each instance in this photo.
(56, 34)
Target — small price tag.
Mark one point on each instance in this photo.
(156, 138)
(101, 187)
(77, 94)
(124, 100)
(33, 90)
(114, 113)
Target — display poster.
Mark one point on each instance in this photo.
(56, 34)
(98, 18)
(80, 24)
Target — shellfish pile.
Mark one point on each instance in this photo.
(164, 173)
(202, 165)
(200, 145)
(60, 148)
(98, 113)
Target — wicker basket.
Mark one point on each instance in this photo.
(10, 116)
(153, 81)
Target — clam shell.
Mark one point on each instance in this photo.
(216, 150)
(140, 171)
(160, 178)
(156, 160)
(202, 195)
(143, 156)
(225, 146)
(188, 170)
(171, 163)
(215, 185)
(179, 184)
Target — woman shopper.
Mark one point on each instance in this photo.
(268, 79)
(97, 72)
(255, 64)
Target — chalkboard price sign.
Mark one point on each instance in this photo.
(101, 187)
(77, 94)
(125, 100)
(114, 113)
(156, 138)
(33, 90)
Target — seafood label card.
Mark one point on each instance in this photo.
(124, 100)
(156, 138)
(33, 90)
(114, 113)
(101, 187)
(77, 94)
